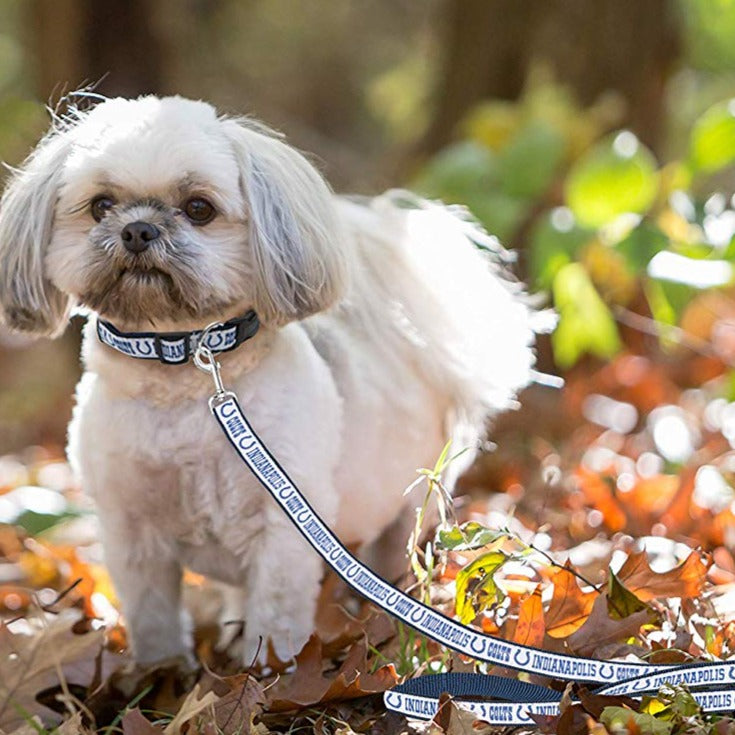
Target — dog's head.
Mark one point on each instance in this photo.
(158, 209)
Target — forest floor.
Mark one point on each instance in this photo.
(609, 506)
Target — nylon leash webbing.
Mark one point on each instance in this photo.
(418, 697)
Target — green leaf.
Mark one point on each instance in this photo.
(618, 719)
(36, 523)
(729, 386)
(667, 299)
(459, 171)
(470, 535)
(641, 244)
(500, 214)
(621, 601)
(476, 588)
(672, 703)
(442, 462)
(554, 245)
(712, 142)
(585, 322)
(617, 175)
(696, 250)
(528, 163)
(729, 252)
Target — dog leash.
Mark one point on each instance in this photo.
(513, 701)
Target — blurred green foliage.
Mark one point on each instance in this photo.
(603, 225)
(709, 29)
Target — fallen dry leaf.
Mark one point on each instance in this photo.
(308, 685)
(593, 704)
(240, 700)
(73, 726)
(194, 704)
(530, 627)
(569, 607)
(451, 719)
(134, 722)
(33, 661)
(686, 580)
(600, 629)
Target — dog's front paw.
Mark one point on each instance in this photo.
(286, 642)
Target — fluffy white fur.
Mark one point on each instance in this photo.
(385, 332)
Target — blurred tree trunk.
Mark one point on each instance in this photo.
(110, 43)
(630, 46)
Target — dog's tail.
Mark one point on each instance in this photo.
(454, 299)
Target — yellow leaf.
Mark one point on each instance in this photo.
(476, 581)
(39, 571)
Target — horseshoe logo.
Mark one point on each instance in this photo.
(391, 599)
(214, 340)
(352, 570)
(640, 684)
(522, 658)
(242, 441)
(145, 348)
(229, 405)
(303, 516)
(393, 700)
(477, 644)
(417, 618)
(609, 676)
(285, 492)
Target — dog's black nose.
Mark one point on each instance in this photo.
(136, 236)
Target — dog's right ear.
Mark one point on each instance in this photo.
(28, 302)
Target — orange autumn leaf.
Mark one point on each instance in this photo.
(686, 580)
(570, 605)
(718, 529)
(600, 496)
(653, 494)
(678, 514)
(75, 572)
(714, 641)
(530, 628)
(13, 598)
(489, 626)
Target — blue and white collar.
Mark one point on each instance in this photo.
(175, 348)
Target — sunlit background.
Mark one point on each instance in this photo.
(597, 139)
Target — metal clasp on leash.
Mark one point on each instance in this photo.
(205, 360)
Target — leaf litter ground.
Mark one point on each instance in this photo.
(601, 526)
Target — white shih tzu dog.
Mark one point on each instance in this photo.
(384, 331)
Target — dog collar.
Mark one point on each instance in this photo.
(175, 348)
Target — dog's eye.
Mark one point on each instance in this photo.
(199, 211)
(100, 206)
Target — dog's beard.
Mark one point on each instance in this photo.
(162, 283)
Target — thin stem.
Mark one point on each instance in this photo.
(647, 325)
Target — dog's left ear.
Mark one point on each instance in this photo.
(298, 260)
(28, 301)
